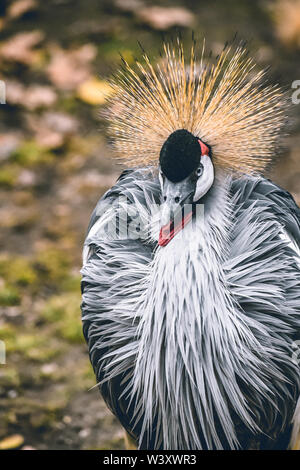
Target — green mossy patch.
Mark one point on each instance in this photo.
(9, 296)
(9, 377)
(63, 312)
(52, 265)
(71, 283)
(30, 154)
(17, 270)
(9, 175)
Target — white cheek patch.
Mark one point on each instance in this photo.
(206, 180)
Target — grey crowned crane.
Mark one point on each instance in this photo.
(191, 285)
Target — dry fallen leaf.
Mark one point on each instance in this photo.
(60, 122)
(49, 139)
(94, 91)
(165, 17)
(33, 97)
(19, 48)
(11, 442)
(287, 21)
(67, 69)
(51, 129)
(27, 178)
(9, 142)
(14, 92)
(39, 96)
(19, 7)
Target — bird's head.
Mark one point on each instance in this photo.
(186, 173)
(222, 99)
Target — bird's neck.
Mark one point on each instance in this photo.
(187, 322)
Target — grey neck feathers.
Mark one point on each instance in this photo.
(193, 341)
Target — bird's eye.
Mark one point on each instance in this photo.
(199, 170)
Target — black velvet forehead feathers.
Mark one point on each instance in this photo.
(179, 155)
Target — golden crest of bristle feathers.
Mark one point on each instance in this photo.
(225, 103)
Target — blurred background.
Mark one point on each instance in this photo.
(55, 57)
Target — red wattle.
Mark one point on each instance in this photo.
(204, 148)
(167, 233)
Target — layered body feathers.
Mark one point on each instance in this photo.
(194, 338)
(213, 365)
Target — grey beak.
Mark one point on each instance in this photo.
(174, 197)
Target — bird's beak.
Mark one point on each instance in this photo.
(176, 208)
